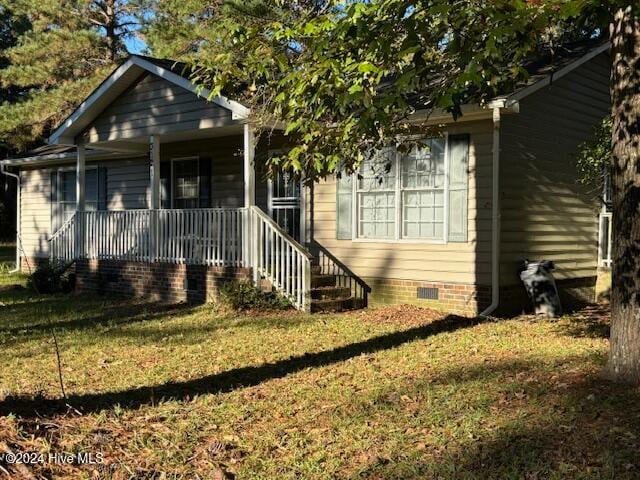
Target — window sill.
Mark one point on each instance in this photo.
(402, 240)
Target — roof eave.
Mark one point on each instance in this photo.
(547, 80)
(58, 158)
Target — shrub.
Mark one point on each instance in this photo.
(52, 277)
(244, 295)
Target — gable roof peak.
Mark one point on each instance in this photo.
(124, 76)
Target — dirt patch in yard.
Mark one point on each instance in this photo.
(408, 315)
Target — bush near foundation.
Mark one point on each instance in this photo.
(244, 295)
(52, 277)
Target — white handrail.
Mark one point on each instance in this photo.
(62, 244)
(277, 257)
(205, 236)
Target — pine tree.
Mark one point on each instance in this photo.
(11, 27)
(70, 47)
(176, 28)
(181, 29)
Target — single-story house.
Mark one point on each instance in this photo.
(151, 189)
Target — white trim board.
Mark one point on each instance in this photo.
(61, 158)
(121, 78)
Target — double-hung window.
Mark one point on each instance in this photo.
(422, 188)
(64, 193)
(414, 193)
(185, 181)
(376, 196)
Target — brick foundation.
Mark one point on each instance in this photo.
(158, 281)
(170, 282)
(468, 299)
(465, 299)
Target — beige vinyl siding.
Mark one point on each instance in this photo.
(128, 180)
(35, 211)
(227, 177)
(546, 214)
(128, 184)
(227, 170)
(453, 262)
(154, 106)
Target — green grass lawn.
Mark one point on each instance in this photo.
(193, 392)
(8, 263)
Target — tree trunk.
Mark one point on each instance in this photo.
(110, 30)
(624, 356)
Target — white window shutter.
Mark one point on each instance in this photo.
(344, 193)
(458, 187)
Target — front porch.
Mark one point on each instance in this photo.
(210, 214)
(233, 240)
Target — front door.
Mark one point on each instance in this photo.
(285, 203)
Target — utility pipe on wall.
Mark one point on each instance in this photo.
(495, 217)
(17, 177)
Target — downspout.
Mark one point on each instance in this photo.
(495, 217)
(17, 177)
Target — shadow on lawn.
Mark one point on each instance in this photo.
(593, 321)
(232, 379)
(189, 334)
(570, 425)
(113, 315)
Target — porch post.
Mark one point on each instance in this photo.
(154, 178)
(80, 200)
(249, 170)
(154, 161)
(249, 243)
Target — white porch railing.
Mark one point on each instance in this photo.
(280, 259)
(211, 236)
(116, 235)
(234, 237)
(605, 236)
(62, 245)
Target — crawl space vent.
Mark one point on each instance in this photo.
(427, 293)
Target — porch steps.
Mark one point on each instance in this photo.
(326, 296)
(319, 281)
(332, 305)
(333, 292)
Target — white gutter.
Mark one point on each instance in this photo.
(58, 158)
(17, 177)
(495, 215)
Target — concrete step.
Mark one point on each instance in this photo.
(332, 305)
(323, 281)
(323, 293)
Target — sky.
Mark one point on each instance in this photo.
(132, 42)
(135, 45)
